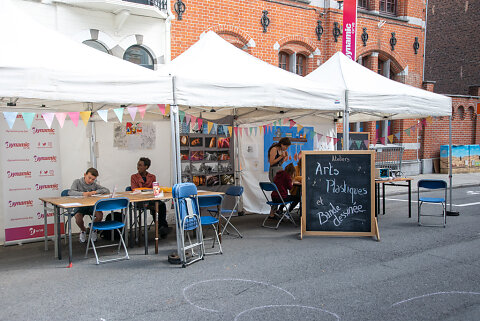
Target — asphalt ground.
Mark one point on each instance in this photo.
(413, 273)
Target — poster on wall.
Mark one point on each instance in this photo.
(134, 136)
(299, 139)
(30, 168)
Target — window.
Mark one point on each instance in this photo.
(384, 69)
(283, 60)
(301, 65)
(139, 55)
(96, 45)
(388, 6)
(363, 4)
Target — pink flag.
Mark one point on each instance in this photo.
(292, 123)
(187, 118)
(74, 116)
(61, 118)
(235, 129)
(193, 119)
(349, 28)
(133, 112)
(48, 117)
(200, 121)
(329, 139)
(162, 108)
(366, 142)
(141, 110)
(319, 136)
(382, 140)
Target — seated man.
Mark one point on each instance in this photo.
(144, 179)
(86, 186)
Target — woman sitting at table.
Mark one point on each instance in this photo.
(144, 179)
(284, 181)
(297, 184)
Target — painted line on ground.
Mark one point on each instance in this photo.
(432, 294)
(458, 205)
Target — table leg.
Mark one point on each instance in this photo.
(45, 225)
(130, 234)
(156, 227)
(70, 240)
(219, 224)
(409, 199)
(383, 195)
(145, 235)
(58, 238)
(377, 200)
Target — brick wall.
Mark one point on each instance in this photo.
(453, 44)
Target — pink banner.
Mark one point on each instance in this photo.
(349, 28)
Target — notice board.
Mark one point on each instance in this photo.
(338, 193)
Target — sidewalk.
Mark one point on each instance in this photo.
(458, 180)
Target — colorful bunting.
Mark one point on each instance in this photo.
(10, 117)
(200, 122)
(382, 140)
(74, 116)
(230, 130)
(256, 131)
(28, 119)
(181, 115)
(119, 113)
(397, 135)
(187, 118)
(167, 110)
(61, 118)
(407, 131)
(193, 119)
(133, 112)
(103, 113)
(299, 128)
(359, 143)
(209, 127)
(85, 115)
(390, 138)
(162, 108)
(292, 123)
(366, 142)
(329, 139)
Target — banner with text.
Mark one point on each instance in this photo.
(30, 169)
(349, 28)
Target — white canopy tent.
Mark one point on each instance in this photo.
(39, 66)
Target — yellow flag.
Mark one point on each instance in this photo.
(85, 116)
(299, 127)
(261, 129)
(230, 130)
(390, 138)
(167, 110)
(429, 119)
(209, 126)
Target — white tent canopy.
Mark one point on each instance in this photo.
(214, 73)
(372, 96)
(39, 66)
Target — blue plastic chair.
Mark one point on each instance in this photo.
(271, 187)
(208, 220)
(432, 184)
(187, 217)
(226, 214)
(109, 204)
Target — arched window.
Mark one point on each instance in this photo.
(460, 114)
(301, 65)
(96, 45)
(283, 60)
(385, 69)
(139, 55)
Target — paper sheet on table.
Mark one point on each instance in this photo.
(102, 195)
(75, 196)
(71, 204)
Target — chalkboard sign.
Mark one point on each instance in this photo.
(338, 193)
(357, 141)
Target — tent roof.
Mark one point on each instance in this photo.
(39, 66)
(214, 73)
(372, 96)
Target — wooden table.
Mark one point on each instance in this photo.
(392, 182)
(65, 202)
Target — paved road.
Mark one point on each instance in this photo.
(414, 273)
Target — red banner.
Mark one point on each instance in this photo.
(349, 28)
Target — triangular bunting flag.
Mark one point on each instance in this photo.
(181, 115)
(299, 128)
(359, 143)
(285, 121)
(292, 123)
(329, 139)
(10, 117)
(162, 108)
(61, 118)
(167, 110)
(251, 130)
(209, 127)
(413, 129)
(367, 143)
(397, 135)
(390, 138)
(261, 129)
(429, 119)
(119, 113)
(246, 131)
(48, 117)
(103, 113)
(74, 116)
(382, 140)
(187, 118)
(133, 112)
(193, 119)
(235, 129)
(319, 136)
(230, 130)
(407, 131)
(141, 110)
(200, 122)
(256, 131)
(85, 115)
(28, 119)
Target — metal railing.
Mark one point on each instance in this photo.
(389, 156)
(160, 4)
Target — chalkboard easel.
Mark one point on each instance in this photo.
(338, 192)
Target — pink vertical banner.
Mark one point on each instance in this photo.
(349, 28)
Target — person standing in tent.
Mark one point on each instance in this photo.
(277, 154)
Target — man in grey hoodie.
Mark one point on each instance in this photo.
(86, 186)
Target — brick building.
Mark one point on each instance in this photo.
(452, 63)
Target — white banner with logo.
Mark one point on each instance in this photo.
(30, 167)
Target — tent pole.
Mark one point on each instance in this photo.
(450, 212)
(346, 128)
(175, 129)
(93, 139)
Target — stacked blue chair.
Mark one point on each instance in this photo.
(208, 220)
(271, 187)
(226, 214)
(432, 184)
(187, 217)
(109, 204)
